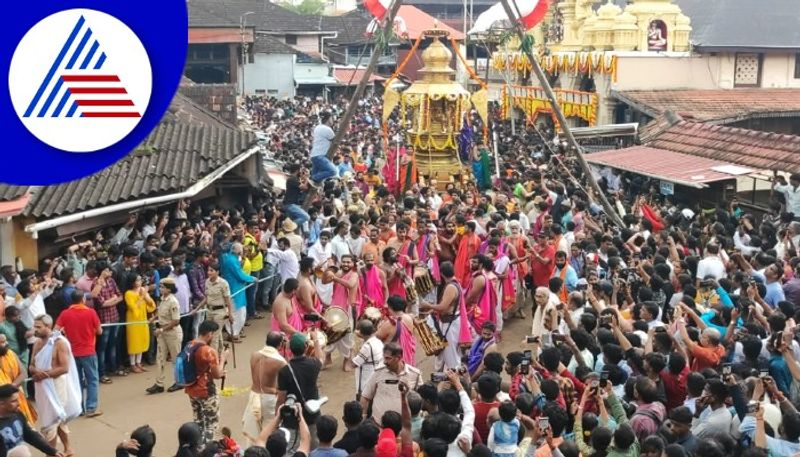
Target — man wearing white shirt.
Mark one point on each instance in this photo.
(790, 191)
(339, 246)
(369, 357)
(322, 252)
(356, 241)
(288, 265)
(711, 265)
(468, 418)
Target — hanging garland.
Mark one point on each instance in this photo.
(585, 63)
(533, 101)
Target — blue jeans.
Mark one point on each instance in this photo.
(87, 371)
(297, 214)
(270, 287)
(322, 168)
(107, 351)
(251, 295)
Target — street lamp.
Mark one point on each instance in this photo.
(242, 25)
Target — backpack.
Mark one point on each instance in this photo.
(185, 369)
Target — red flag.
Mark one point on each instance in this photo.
(650, 215)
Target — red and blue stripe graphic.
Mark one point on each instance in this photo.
(77, 80)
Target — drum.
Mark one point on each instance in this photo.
(432, 343)
(322, 341)
(373, 314)
(423, 281)
(337, 324)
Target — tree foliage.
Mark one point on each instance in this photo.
(312, 7)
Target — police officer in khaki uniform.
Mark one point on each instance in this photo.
(168, 334)
(218, 302)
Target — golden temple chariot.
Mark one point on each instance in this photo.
(432, 112)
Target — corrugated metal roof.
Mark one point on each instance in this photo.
(8, 193)
(188, 144)
(719, 106)
(174, 156)
(662, 164)
(743, 24)
(750, 148)
(267, 16)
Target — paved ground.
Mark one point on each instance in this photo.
(126, 406)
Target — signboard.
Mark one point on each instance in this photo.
(667, 188)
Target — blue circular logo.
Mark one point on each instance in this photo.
(87, 82)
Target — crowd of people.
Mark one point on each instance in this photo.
(674, 334)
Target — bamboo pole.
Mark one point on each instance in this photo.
(611, 213)
(387, 23)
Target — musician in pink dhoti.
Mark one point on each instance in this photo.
(448, 319)
(374, 288)
(398, 327)
(287, 314)
(481, 300)
(395, 272)
(428, 251)
(346, 297)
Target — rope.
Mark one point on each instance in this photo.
(388, 85)
(190, 313)
(471, 72)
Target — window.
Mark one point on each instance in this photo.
(797, 66)
(291, 39)
(747, 70)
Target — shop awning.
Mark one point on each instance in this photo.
(322, 80)
(674, 167)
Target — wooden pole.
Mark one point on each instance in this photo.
(387, 23)
(611, 212)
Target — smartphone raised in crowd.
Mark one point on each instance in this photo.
(544, 423)
(438, 377)
(531, 339)
(603, 378)
(726, 369)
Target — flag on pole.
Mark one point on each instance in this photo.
(377, 8)
(529, 13)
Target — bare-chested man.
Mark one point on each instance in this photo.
(50, 363)
(398, 327)
(307, 291)
(287, 317)
(264, 367)
(446, 319)
(345, 296)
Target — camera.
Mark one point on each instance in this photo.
(288, 412)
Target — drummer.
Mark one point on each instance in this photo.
(287, 317)
(448, 320)
(374, 288)
(345, 296)
(307, 292)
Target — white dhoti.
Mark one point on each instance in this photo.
(451, 356)
(259, 410)
(58, 400)
(344, 346)
(239, 318)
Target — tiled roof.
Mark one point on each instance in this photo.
(351, 76)
(743, 24)
(266, 44)
(187, 145)
(351, 27)
(662, 164)
(749, 148)
(718, 106)
(267, 16)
